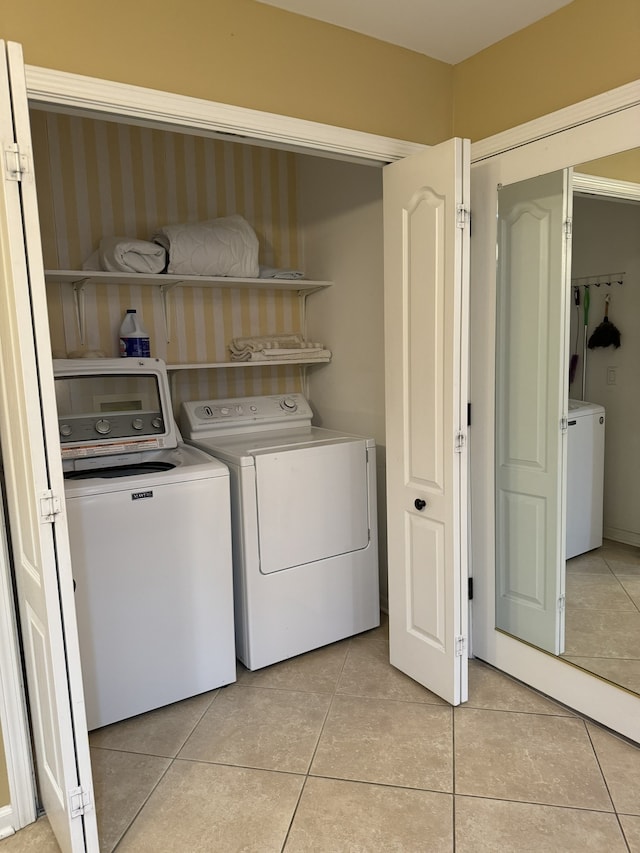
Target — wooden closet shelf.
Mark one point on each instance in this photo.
(223, 364)
(167, 281)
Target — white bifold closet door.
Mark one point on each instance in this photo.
(35, 488)
(426, 225)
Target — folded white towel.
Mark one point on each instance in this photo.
(286, 355)
(254, 344)
(272, 272)
(123, 254)
(277, 352)
(218, 247)
(284, 347)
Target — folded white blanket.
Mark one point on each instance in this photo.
(123, 254)
(219, 247)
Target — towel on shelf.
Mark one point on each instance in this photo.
(125, 254)
(272, 272)
(288, 346)
(311, 354)
(219, 247)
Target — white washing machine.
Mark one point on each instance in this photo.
(150, 535)
(303, 507)
(585, 477)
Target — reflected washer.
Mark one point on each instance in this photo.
(585, 477)
(303, 507)
(150, 536)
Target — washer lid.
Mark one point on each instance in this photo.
(581, 408)
(188, 465)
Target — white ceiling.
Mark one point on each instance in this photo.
(449, 30)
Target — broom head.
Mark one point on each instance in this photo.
(605, 335)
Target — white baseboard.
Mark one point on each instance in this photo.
(7, 822)
(626, 537)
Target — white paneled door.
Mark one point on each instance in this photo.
(426, 233)
(35, 487)
(531, 391)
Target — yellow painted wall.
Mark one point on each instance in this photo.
(244, 53)
(624, 166)
(584, 49)
(4, 782)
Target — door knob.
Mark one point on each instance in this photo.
(419, 504)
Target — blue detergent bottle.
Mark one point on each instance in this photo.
(134, 340)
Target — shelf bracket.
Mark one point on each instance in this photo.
(78, 299)
(164, 290)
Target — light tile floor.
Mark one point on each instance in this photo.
(337, 752)
(603, 613)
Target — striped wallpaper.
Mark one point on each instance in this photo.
(100, 178)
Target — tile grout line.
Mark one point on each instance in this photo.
(172, 760)
(143, 804)
(324, 722)
(606, 784)
(453, 779)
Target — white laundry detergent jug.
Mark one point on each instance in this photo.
(134, 340)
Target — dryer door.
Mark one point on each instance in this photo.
(312, 503)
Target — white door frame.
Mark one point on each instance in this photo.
(22, 808)
(61, 91)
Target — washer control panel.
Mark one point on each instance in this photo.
(86, 428)
(200, 417)
(112, 406)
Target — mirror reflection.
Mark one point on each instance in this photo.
(587, 610)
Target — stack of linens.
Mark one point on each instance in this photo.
(227, 246)
(284, 347)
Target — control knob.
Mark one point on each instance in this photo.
(137, 423)
(103, 426)
(66, 430)
(156, 422)
(288, 404)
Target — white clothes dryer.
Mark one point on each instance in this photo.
(150, 536)
(303, 507)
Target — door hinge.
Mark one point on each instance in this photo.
(462, 216)
(564, 424)
(50, 507)
(561, 603)
(15, 163)
(79, 801)
(568, 227)
(460, 441)
(470, 588)
(461, 644)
